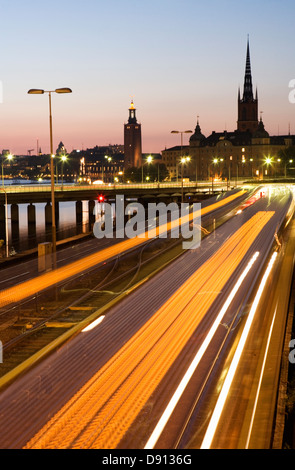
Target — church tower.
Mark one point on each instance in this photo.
(132, 140)
(248, 105)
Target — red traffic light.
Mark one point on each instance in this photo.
(101, 198)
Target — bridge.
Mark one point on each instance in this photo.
(41, 193)
(32, 193)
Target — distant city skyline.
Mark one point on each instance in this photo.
(176, 60)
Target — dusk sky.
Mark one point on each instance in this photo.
(176, 59)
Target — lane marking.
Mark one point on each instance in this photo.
(260, 379)
(207, 441)
(190, 371)
(14, 277)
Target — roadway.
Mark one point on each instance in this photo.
(128, 368)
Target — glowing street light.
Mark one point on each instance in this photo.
(268, 161)
(6, 222)
(181, 140)
(36, 91)
(149, 160)
(8, 157)
(63, 159)
(183, 161)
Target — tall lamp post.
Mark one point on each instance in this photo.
(8, 157)
(183, 161)
(214, 162)
(63, 160)
(148, 160)
(35, 91)
(181, 134)
(6, 222)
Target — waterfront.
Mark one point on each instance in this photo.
(25, 236)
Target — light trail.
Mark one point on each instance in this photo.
(101, 412)
(209, 436)
(260, 380)
(93, 324)
(49, 279)
(190, 371)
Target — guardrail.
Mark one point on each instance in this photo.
(32, 188)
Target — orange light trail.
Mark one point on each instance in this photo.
(30, 287)
(101, 412)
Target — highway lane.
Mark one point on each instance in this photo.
(25, 289)
(193, 410)
(200, 399)
(253, 393)
(79, 360)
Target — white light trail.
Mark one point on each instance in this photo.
(260, 379)
(94, 324)
(234, 364)
(190, 371)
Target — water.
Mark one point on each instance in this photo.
(25, 236)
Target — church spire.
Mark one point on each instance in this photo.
(248, 90)
(248, 105)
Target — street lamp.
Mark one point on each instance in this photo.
(183, 161)
(149, 160)
(181, 133)
(268, 162)
(35, 91)
(6, 222)
(290, 161)
(109, 159)
(63, 159)
(214, 162)
(8, 157)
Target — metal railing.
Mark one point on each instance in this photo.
(36, 188)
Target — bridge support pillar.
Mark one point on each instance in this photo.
(56, 212)
(14, 222)
(91, 205)
(2, 224)
(79, 212)
(31, 211)
(48, 215)
(2, 213)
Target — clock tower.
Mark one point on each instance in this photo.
(132, 140)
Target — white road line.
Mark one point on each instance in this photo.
(14, 277)
(190, 371)
(260, 379)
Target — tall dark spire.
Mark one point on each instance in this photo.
(248, 90)
(248, 105)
